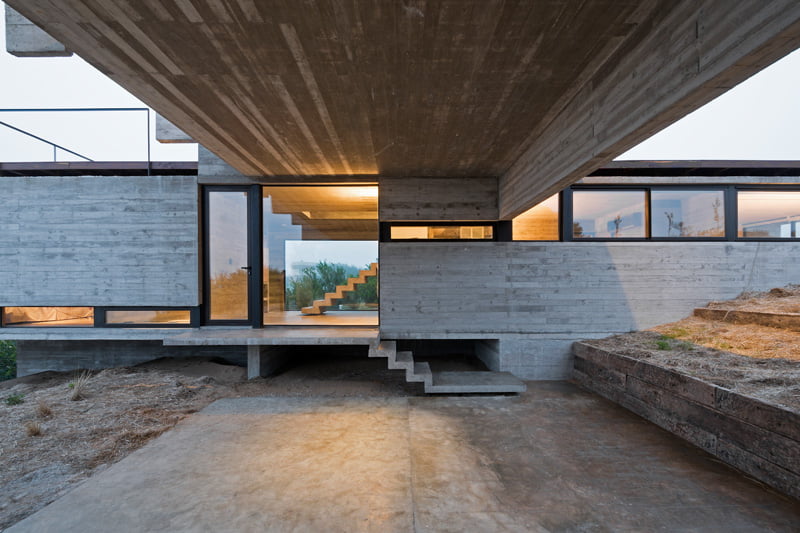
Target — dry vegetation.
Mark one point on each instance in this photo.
(759, 361)
(48, 442)
(67, 427)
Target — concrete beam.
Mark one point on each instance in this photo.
(26, 39)
(169, 133)
(687, 56)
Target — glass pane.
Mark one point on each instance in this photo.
(687, 213)
(608, 214)
(316, 239)
(168, 316)
(227, 251)
(48, 316)
(769, 214)
(539, 223)
(442, 232)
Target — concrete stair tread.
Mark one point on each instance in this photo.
(475, 382)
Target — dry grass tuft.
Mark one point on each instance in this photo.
(43, 410)
(79, 386)
(33, 428)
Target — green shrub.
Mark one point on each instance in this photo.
(15, 399)
(663, 345)
(8, 360)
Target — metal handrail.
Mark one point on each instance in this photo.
(76, 109)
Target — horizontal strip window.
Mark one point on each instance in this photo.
(609, 214)
(112, 317)
(768, 214)
(458, 231)
(148, 317)
(49, 317)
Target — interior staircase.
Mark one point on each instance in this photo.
(318, 307)
(463, 382)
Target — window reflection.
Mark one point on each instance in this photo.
(608, 214)
(167, 316)
(769, 214)
(687, 213)
(540, 223)
(227, 243)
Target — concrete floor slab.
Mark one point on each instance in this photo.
(555, 458)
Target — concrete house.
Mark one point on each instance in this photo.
(455, 156)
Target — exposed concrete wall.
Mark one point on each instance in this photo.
(38, 356)
(438, 198)
(99, 241)
(26, 39)
(167, 132)
(537, 298)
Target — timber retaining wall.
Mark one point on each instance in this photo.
(760, 439)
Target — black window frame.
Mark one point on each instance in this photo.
(101, 322)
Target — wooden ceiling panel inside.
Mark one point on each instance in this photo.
(389, 87)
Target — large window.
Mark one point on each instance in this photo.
(317, 239)
(768, 214)
(539, 223)
(607, 214)
(687, 213)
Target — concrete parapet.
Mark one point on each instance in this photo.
(760, 439)
(26, 39)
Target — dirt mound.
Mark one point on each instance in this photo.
(759, 361)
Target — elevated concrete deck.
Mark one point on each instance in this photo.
(275, 336)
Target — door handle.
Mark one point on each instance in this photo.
(248, 268)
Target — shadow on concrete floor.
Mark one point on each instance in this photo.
(556, 458)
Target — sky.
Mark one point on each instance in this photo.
(755, 120)
(71, 82)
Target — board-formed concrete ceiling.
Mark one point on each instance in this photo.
(439, 88)
(421, 87)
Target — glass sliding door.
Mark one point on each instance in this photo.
(228, 266)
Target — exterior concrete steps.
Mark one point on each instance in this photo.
(318, 307)
(471, 382)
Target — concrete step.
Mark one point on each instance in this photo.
(474, 382)
(402, 361)
(421, 374)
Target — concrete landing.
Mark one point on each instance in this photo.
(475, 382)
(274, 336)
(555, 459)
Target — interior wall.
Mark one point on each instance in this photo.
(99, 241)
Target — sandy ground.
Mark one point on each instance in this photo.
(124, 408)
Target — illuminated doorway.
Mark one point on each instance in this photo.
(319, 240)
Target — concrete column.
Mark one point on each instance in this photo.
(264, 361)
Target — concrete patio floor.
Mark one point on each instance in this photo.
(556, 458)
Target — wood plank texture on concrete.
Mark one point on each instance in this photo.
(676, 59)
(539, 93)
(99, 241)
(438, 199)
